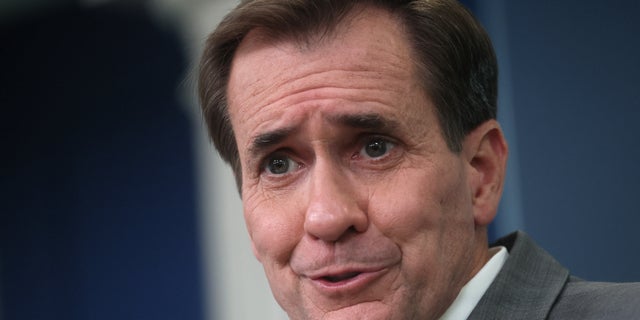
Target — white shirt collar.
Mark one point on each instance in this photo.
(473, 291)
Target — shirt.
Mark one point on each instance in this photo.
(473, 291)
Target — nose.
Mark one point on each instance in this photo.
(333, 209)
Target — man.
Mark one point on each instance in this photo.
(364, 142)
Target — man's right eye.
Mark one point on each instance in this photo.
(279, 165)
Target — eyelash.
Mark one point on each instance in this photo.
(369, 141)
(358, 155)
(264, 167)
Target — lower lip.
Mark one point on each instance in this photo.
(351, 285)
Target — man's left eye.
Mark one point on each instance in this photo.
(376, 148)
(280, 165)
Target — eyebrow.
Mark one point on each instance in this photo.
(366, 121)
(268, 139)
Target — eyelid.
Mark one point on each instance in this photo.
(365, 139)
(389, 144)
(283, 153)
(376, 136)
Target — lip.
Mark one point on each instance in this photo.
(347, 281)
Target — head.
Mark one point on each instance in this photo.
(453, 57)
(364, 142)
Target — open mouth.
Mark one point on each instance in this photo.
(340, 277)
(337, 283)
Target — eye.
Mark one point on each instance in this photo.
(376, 147)
(280, 164)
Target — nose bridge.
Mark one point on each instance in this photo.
(333, 208)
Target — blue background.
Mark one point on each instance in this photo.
(574, 94)
(99, 217)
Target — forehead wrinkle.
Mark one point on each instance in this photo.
(317, 62)
(298, 85)
(291, 76)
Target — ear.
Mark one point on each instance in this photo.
(486, 151)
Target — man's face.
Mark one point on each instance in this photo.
(354, 204)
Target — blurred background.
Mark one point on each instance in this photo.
(115, 206)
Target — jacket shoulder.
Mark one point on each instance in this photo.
(526, 287)
(597, 300)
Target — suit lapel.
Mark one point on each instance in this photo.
(526, 287)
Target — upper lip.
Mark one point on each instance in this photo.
(355, 260)
(335, 274)
(340, 277)
(336, 282)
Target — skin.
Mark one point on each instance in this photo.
(354, 204)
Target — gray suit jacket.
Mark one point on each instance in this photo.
(533, 285)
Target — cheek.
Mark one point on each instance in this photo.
(419, 214)
(274, 229)
(405, 204)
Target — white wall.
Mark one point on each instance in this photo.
(235, 285)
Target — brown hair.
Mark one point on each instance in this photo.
(454, 58)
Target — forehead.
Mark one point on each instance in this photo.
(366, 63)
(361, 39)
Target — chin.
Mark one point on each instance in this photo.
(362, 311)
